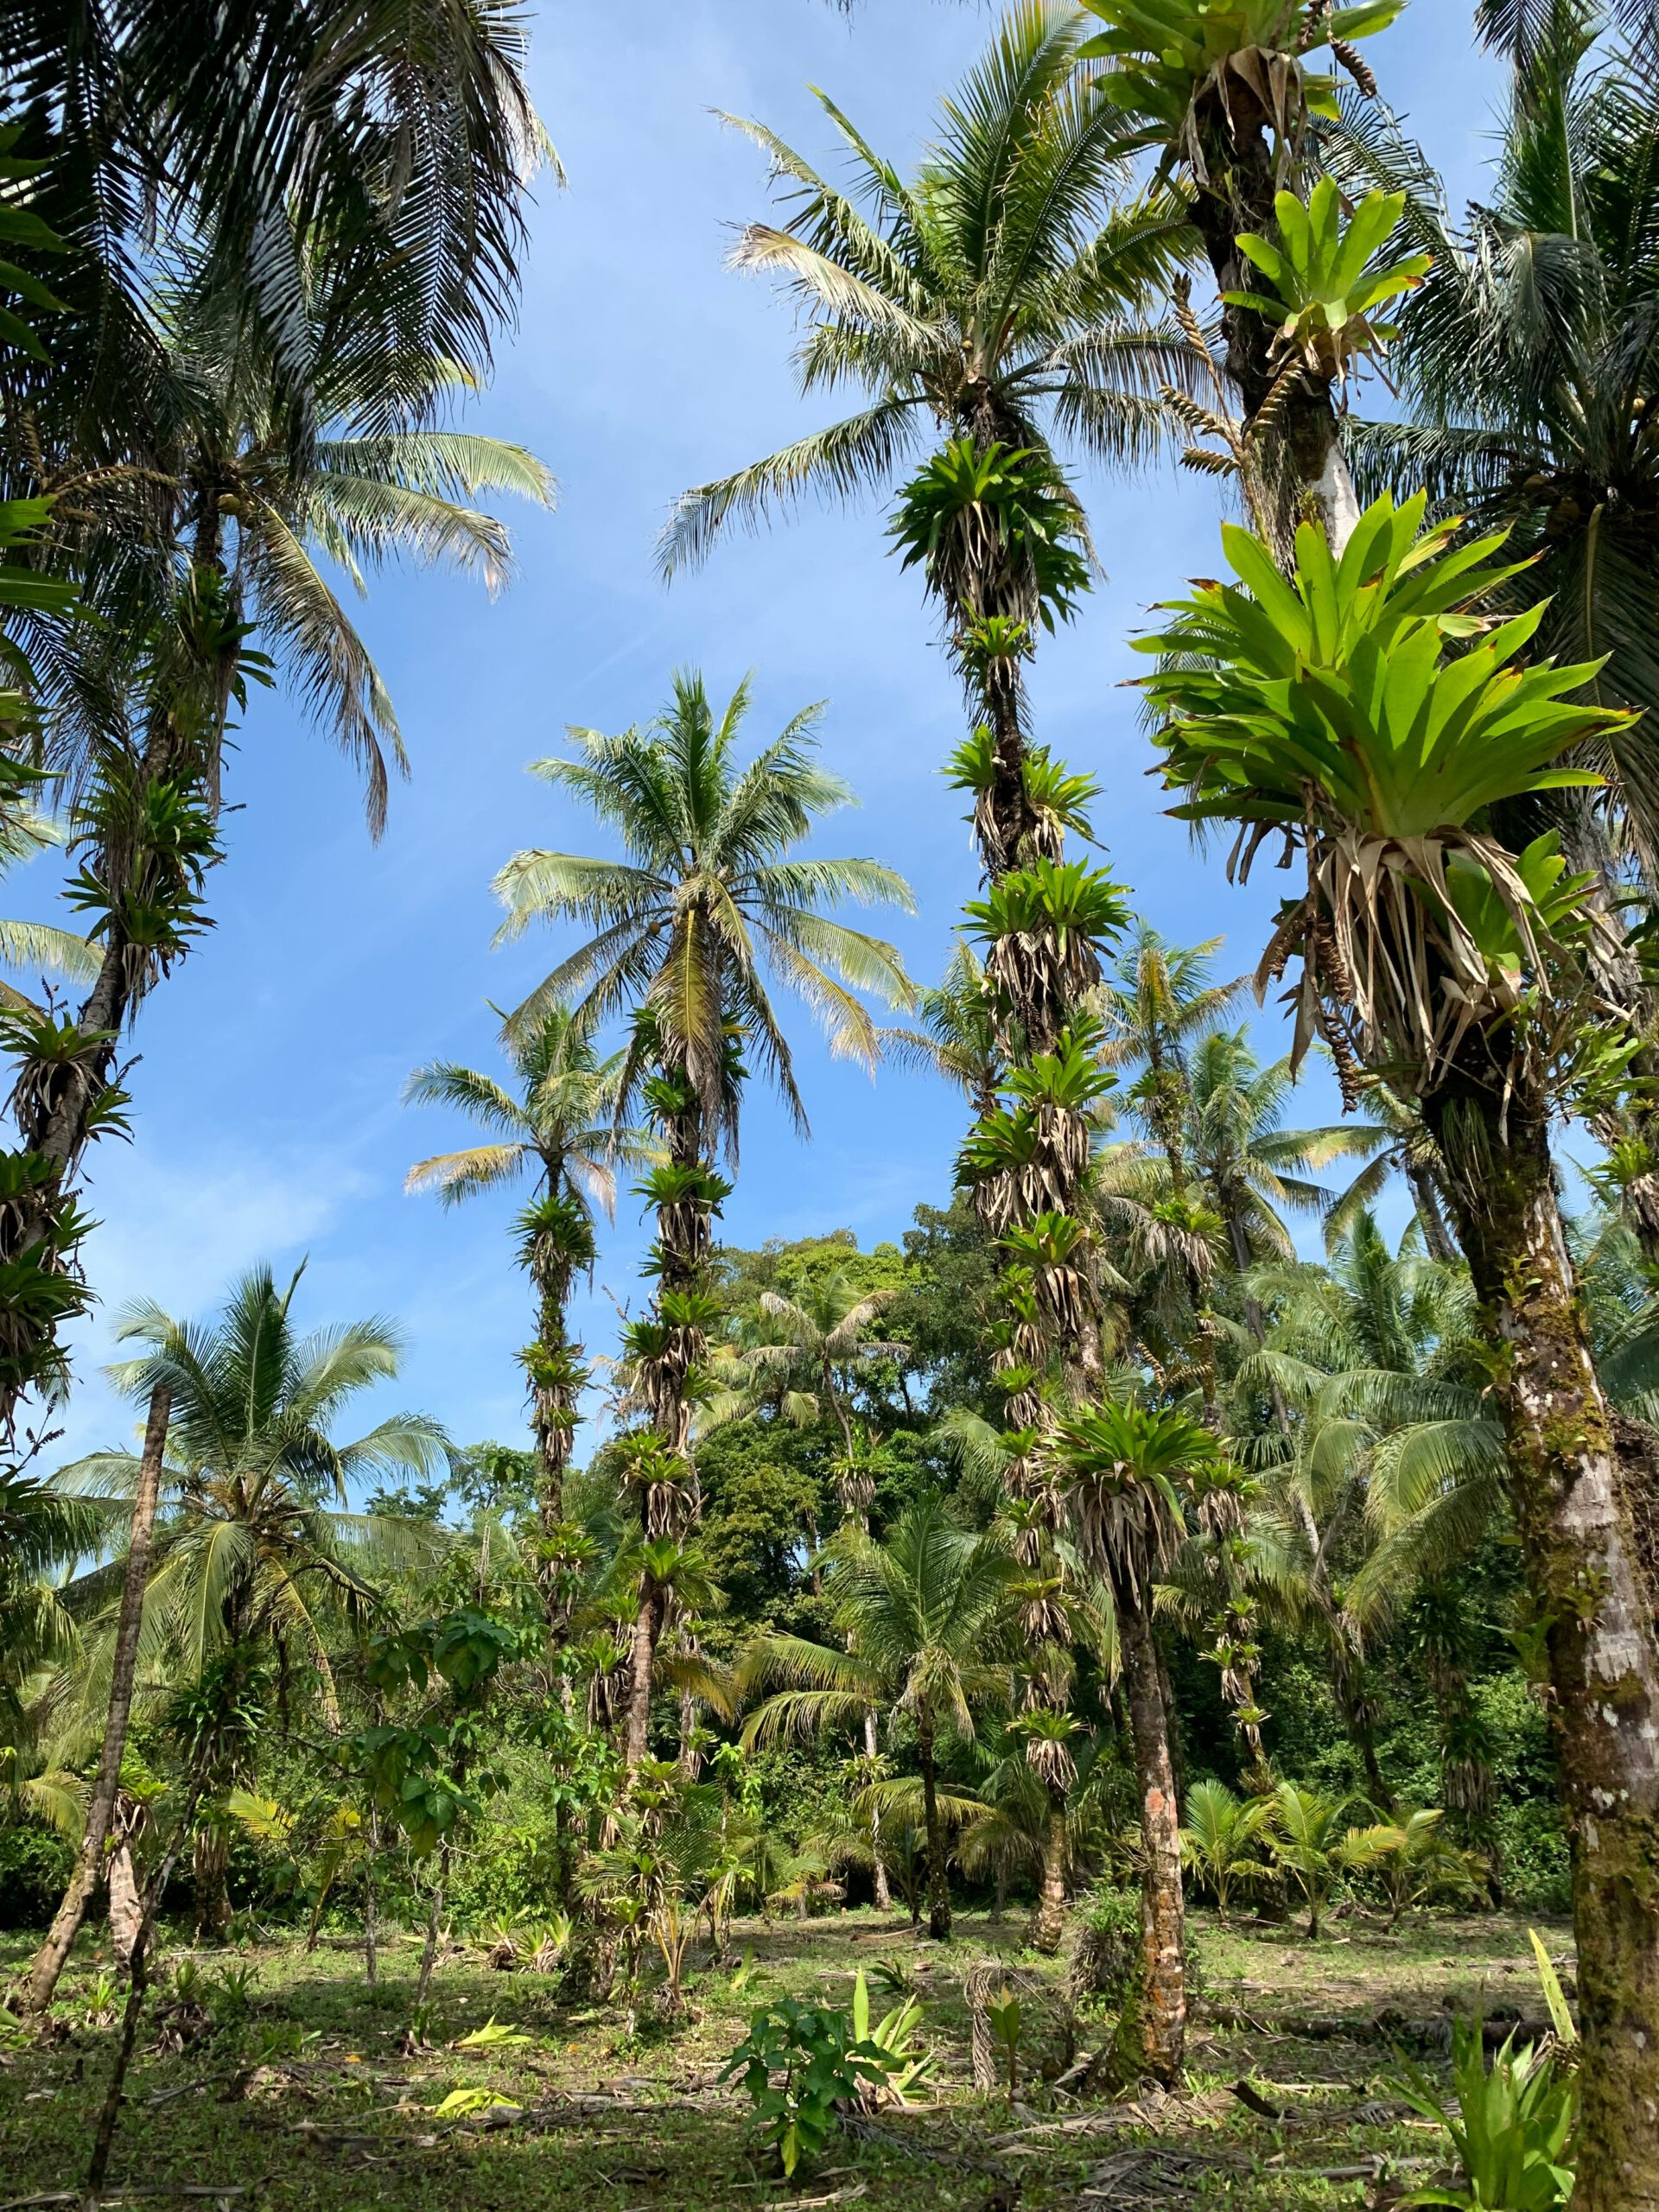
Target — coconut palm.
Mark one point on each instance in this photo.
(819, 1338)
(214, 580)
(559, 1130)
(1431, 955)
(952, 1033)
(1252, 1169)
(709, 905)
(1126, 1465)
(932, 1624)
(993, 309)
(709, 895)
(1159, 1002)
(259, 1544)
(1218, 1834)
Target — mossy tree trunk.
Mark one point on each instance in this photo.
(1573, 1496)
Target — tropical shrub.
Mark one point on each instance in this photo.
(799, 2062)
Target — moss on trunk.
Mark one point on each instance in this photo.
(1573, 1480)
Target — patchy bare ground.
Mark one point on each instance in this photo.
(305, 2098)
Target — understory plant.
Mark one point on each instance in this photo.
(799, 2063)
(1509, 2124)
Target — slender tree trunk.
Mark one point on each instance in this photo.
(37, 1993)
(1048, 1921)
(938, 1879)
(647, 1631)
(372, 1901)
(1575, 1498)
(878, 1864)
(1163, 1938)
(125, 1905)
(1427, 1199)
(434, 1919)
(212, 1897)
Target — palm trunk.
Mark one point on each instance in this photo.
(1048, 1921)
(938, 1880)
(647, 1632)
(37, 1993)
(878, 1864)
(212, 1898)
(683, 1236)
(1575, 1495)
(1427, 1199)
(1301, 460)
(1162, 2020)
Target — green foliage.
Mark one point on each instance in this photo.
(1167, 54)
(1334, 683)
(991, 525)
(798, 2062)
(910, 2062)
(1219, 1836)
(1006, 2023)
(1067, 900)
(35, 1864)
(1511, 2128)
(1324, 282)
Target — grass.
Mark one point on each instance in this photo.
(306, 2096)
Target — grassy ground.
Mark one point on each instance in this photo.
(307, 2097)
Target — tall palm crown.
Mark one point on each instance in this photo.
(1253, 1168)
(263, 483)
(1378, 1355)
(561, 1125)
(1529, 359)
(709, 896)
(822, 1339)
(260, 1540)
(988, 297)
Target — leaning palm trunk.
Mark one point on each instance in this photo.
(37, 1993)
(1578, 1499)
(1163, 2015)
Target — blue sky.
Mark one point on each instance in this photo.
(267, 1116)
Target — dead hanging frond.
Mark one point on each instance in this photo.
(1408, 945)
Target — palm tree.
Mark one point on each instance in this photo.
(1159, 1002)
(932, 1625)
(1226, 92)
(990, 311)
(1391, 1458)
(953, 1033)
(560, 1128)
(819, 1337)
(1253, 1170)
(710, 896)
(260, 1545)
(1126, 1464)
(408, 147)
(1431, 955)
(342, 241)
(1217, 1833)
